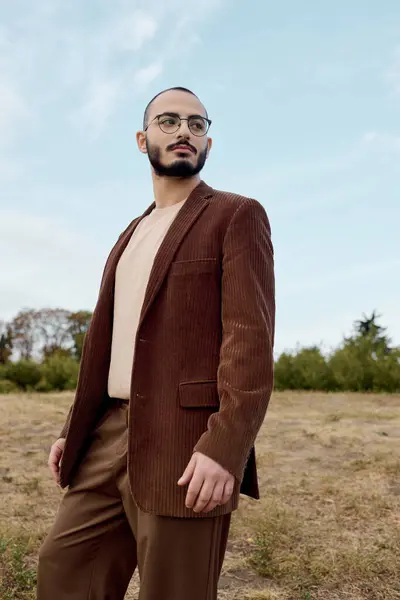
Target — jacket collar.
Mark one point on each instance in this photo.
(196, 202)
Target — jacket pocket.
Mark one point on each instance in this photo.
(193, 267)
(198, 394)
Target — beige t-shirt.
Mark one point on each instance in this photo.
(131, 278)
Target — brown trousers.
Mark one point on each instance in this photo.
(100, 536)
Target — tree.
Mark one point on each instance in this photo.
(369, 329)
(6, 342)
(24, 332)
(78, 325)
(48, 331)
(53, 330)
(364, 357)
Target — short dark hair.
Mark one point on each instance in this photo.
(181, 89)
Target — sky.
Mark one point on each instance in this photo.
(305, 103)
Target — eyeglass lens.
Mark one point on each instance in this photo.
(171, 123)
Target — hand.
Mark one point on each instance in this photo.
(55, 458)
(206, 476)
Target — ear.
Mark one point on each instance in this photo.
(141, 141)
(209, 145)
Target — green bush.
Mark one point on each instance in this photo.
(386, 372)
(72, 382)
(358, 367)
(8, 387)
(43, 386)
(3, 371)
(60, 373)
(306, 370)
(284, 372)
(23, 373)
(354, 367)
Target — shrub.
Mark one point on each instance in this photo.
(386, 373)
(43, 386)
(7, 387)
(355, 366)
(24, 373)
(3, 371)
(60, 373)
(306, 370)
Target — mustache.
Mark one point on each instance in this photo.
(173, 146)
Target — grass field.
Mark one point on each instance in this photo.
(327, 525)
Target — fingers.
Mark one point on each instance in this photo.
(228, 490)
(205, 495)
(212, 494)
(194, 489)
(54, 461)
(188, 472)
(216, 497)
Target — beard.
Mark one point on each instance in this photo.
(181, 167)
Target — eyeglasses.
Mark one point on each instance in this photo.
(171, 122)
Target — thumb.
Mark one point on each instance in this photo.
(188, 472)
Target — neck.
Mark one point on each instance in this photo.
(171, 190)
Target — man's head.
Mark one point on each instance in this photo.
(176, 148)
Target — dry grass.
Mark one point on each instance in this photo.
(326, 528)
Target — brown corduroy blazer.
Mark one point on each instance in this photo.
(202, 372)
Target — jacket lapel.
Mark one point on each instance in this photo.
(187, 215)
(190, 211)
(96, 351)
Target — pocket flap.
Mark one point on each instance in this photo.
(199, 393)
(193, 267)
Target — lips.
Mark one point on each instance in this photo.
(183, 148)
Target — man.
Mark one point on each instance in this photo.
(175, 378)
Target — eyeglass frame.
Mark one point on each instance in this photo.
(171, 114)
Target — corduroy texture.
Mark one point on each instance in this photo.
(202, 373)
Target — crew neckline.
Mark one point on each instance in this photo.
(167, 209)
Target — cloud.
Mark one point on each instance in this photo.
(15, 114)
(89, 66)
(279, 178)
(382, 140)
(350, 275)
(316, 201)
(103, 61)
(132, 32)
(9, 170)
(392, 75)
(44, 264)
(143, 77)
(369, 136)
(323, 332)
(106, 60)
(14, 111)
(102, 96)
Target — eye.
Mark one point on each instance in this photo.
(168, 120)
(198, 124)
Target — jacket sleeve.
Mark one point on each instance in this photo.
(64, 430)
(246, 366)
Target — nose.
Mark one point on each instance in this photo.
(184, 129)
